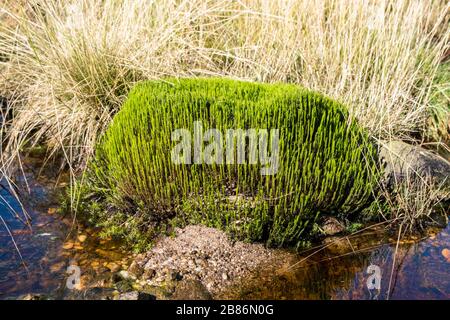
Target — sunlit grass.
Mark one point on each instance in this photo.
(70, 64)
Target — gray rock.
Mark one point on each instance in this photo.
(133, 295)
(149, 274)
(191, 290)
(337, 245)
(172, 275)
(331, 226)
(135, 269)
(402, 160)
(33, 297)
(3, 103)
(125, 274)
(136, 295)
(98, 293)
(124, 286)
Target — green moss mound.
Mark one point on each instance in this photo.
(326, 163)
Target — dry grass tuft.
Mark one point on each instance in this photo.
(68, 65)
(416, 200)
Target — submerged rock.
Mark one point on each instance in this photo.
(124, 286)
(97, 293)
(338, 245)
(114, 267)
(136, 295)
(31, 296)
(191, 290)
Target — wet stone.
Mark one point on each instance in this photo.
(33, 297)
(98, 293)
(149, 274)
(124, 286)
(331, 226)
(191, 290)
(135, 269)
(136, 295)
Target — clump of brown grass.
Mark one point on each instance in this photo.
(415, 200)
(70, 64)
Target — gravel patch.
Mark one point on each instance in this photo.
(206, 255)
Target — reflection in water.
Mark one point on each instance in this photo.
(50, 246)
(38, 245)
(340, 271)
(336, 272)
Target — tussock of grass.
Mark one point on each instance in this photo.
(415, 202)
(326, 161)
(439, 124)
